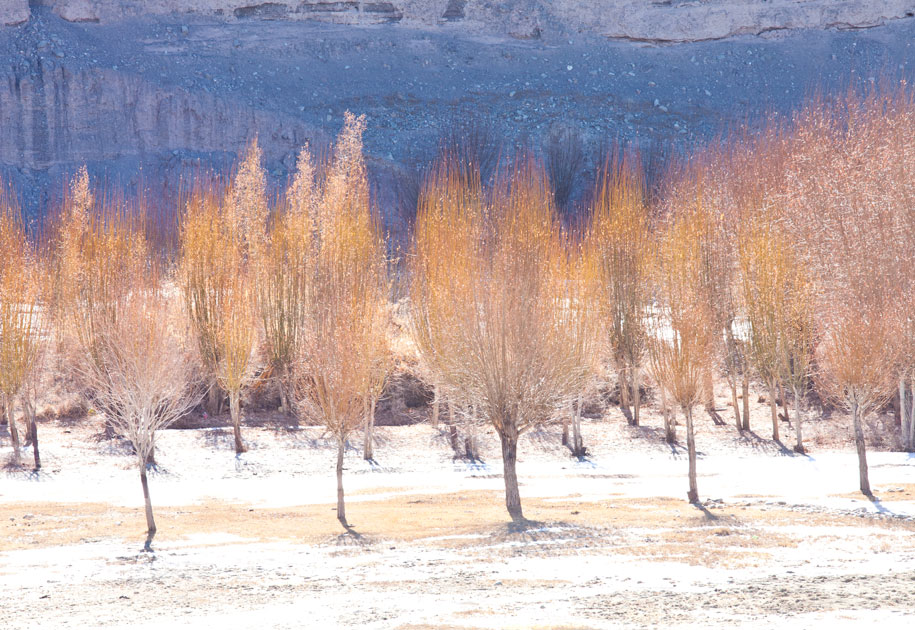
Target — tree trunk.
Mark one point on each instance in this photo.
(14, 432)
(509, 437)
(151, 458)
(636, 397)
(911, 446)
(862, 455)
(624, 395)
(284, 398)
(578, 446)
(693, 494)
(860, 446)
(341, 509)
(435, 406)
(799, 447)
(235, 412)
(708, 392)
(903, 413)
(470, 451)
(565, 432)
(782, 395)
(452, 431)
(214, 400)
(670, 433)
(32, 425)
(470, 446)
(746, 400)
(731, 367)
(368, 450)
(150, 521)
(735, 401)
(774, 409)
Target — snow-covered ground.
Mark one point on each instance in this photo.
(783, 539)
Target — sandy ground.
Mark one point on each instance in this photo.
(781, 540)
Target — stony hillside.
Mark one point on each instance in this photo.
(149, 90)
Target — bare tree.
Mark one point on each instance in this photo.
(24, 320)
(764, 267)
(236, 336)
(620, 234)
(492, 313)
(223, 236)
(144, 377)
(799, 335)
(283, 276)
(857, 357)
(346, 305)
(684, 334)
(101, 254)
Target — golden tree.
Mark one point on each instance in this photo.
(283, 275)
(235, 336)
(858, 356)
(24, 324)
(682, 344)
(345, 335)
(489, 315)
(798, 334)
(209, 261)
(102, 251)
(620, 236)
(101, 257)
(223, 242)
(699, 190)
(763, 262)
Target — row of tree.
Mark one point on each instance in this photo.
(784, 256)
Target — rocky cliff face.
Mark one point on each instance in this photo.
(55, 116)
(642, 20)
(150, 89)
(678, 21)
(13, 12)
(342, 11)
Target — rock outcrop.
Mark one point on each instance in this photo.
(56, 116)
(679, 21)
(13, 12)
(642, 20)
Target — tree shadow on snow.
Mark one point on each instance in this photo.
(882, 509)
(709, 516)
(767, 445)
(527, 531)
(351, 537)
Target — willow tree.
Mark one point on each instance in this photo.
(621, 240)
(488, 312)
(102, 255)
(283, 276)
(764, 266)
(144, 376)
(236, 337)
(799, 335)
(682, 344)
(24, 323)
(345, 336)
(223, 236)
(857, 358)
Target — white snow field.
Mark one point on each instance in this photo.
(782, 540)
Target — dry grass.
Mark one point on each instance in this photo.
(656, 528)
